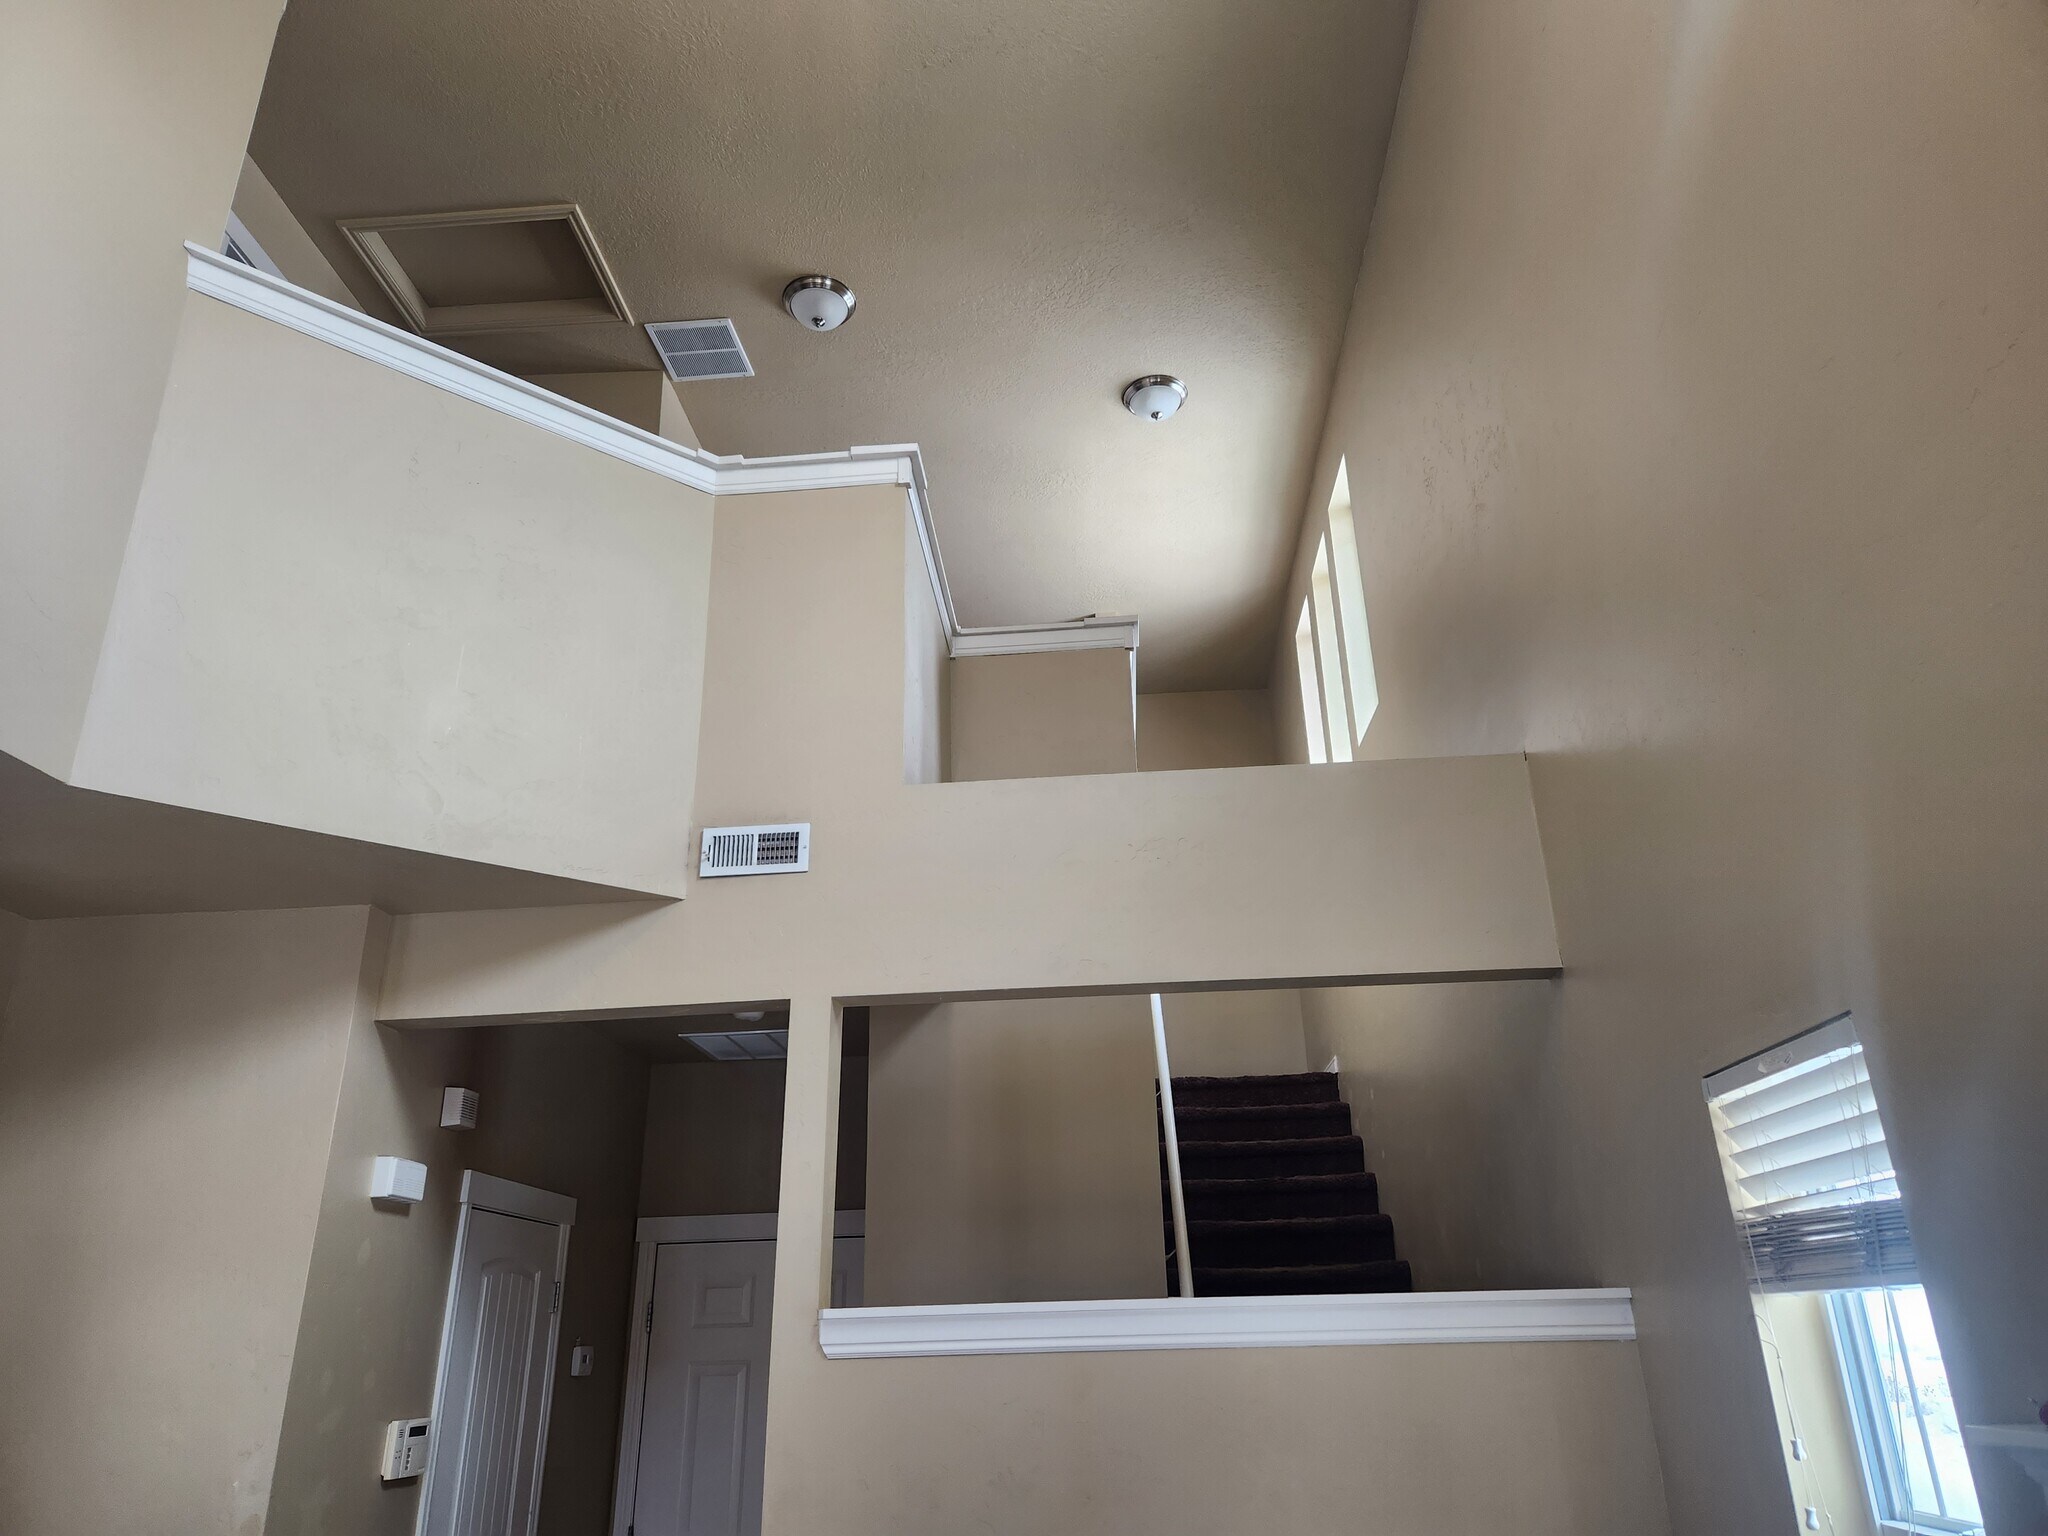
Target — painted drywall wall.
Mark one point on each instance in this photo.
(122, 125)
(713, 1145)
(927, 669)
(13, 934)
(1013, 1153)
(1233, 1034)
(560, 1109)
(284, 239)
(167, 1088)
(360, 605)
(1042, 713)
(1453, 1090)
(1096, 882)
(1692, 406)
(640, 397)
(1229, 728)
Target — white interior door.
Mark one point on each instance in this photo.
(703, 1411)
(705, 1419)
(491, 1417)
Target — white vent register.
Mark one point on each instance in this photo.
(775, 850)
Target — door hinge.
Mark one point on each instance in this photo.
(556, 1304)
(650, 1329)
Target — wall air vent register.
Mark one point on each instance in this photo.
(771, 850)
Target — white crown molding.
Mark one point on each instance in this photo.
(1228, 1322)
(1075, 635)
(311, 314)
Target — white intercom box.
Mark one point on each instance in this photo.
(405, 1448)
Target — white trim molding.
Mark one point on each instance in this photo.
(487, 1193)
(1227, 1322)
(751, 1227)
(311, 314)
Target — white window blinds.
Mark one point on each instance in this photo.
(1809, 1173)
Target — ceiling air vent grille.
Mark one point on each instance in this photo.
(700, 349)
(780, 850)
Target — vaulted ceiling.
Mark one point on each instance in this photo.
(1034, 203)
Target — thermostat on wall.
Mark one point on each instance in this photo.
(397, 1178)
(405, 1448)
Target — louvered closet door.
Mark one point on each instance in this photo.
(706, 1415)
(487, 1459)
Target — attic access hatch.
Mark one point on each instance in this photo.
(490, 269)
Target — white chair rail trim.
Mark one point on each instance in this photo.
(1228, 1322)
(311, 314)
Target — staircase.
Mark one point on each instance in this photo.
(1278, 1199)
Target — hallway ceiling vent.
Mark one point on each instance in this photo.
(776, 850)
(692, 350)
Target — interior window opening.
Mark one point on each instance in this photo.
(1361, 682)
(1336, 715)
(1311, 691)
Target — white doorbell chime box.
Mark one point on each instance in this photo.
(399, 1179)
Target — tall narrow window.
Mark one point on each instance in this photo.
(1329, 654)
(1811, 1181)
(1362, 686)
(1311, 691)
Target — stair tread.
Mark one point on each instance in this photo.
(1279, 1181)
(1316, 1079)
(1300, 1144)
(1226, 1225)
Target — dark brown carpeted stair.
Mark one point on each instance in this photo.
(1278, 1199)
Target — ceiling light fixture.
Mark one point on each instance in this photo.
(1154, 397)
(819, 303)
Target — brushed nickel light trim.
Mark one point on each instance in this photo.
(1154, 406)
(808, 314)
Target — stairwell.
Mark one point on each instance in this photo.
(1278, 1199)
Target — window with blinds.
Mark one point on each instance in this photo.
(1809, 1174)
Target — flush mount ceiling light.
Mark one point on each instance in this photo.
(1154, 397)
(819, 303)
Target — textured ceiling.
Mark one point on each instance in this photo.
(1034, 203)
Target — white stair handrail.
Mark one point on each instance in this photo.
(1183, 1261)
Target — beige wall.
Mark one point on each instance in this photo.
(1013, 1153)
(1042, 713)
(1692, 407)
(1233, 1034)
(927, 669)
(1453, 1090)
(284, 239)
(360, 605)
(1231, 728)
(122, 125)
(640, 397)
(714, 1138)
(167, 1088)
(560, 1109)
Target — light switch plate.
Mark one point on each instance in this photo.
(581, 1359)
